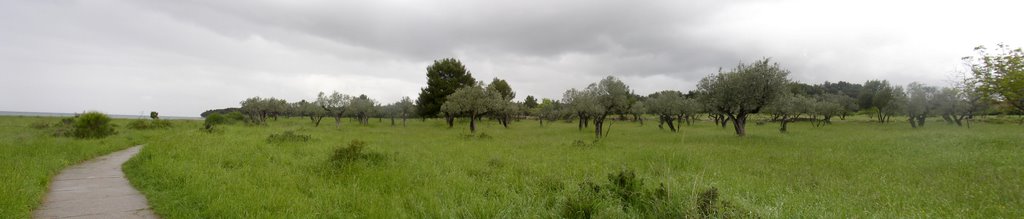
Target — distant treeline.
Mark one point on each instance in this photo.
(224, 111)
(762, 87)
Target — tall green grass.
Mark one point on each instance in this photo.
(30, 156)
(849, 169)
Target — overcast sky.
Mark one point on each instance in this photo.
(182, 57)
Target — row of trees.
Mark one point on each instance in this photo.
(762, 86)
(335, 105)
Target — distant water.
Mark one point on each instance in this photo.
(44, 114)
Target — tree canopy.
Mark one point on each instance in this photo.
(472, 101)
(999, 74)
(744, 90)
(443, 78)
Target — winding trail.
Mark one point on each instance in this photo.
(95, 189)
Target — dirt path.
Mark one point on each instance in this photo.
(95, 189)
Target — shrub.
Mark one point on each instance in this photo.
(287, 136)
(235, 117)
(154, 115)
(215, 119)
(93, 125)
(352, 153)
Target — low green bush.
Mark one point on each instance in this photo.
(215, 119)
(355, 151)
(235, 117)
(93, 125)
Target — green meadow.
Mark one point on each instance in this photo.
(852, 168)
(30, 156)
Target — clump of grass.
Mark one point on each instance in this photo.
(710, 205)
(39, 125)
(482, 135)
(707, 202)
(585, 203)
(626, 190)
(582, 143)
(354, 152)
(496, 163)
(138, 124)
(208, 128)
(287, 136)
(64, 128)
(160, 123)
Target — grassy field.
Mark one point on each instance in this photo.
(850, 169)
(30, 156)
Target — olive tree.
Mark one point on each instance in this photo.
(405, 108)
(391, 111)
(504, 109)
(788, 107)
(667, 105)
(579, 103)
(472, 101)
(689, 109)
(610, 96)
(882, 98)
(335, 104)
(638, 109)
(361, 108)
(314, 111)
(743, 91)
(847, 105)
(828, 106)
(549, 110)
(919, 103)
(258, 109)
(959, 103)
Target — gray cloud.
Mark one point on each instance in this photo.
(182, 57)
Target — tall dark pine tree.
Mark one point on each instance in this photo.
(443, 78)
(530, 102)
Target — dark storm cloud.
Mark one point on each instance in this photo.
(650, 36)
(183, 57)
